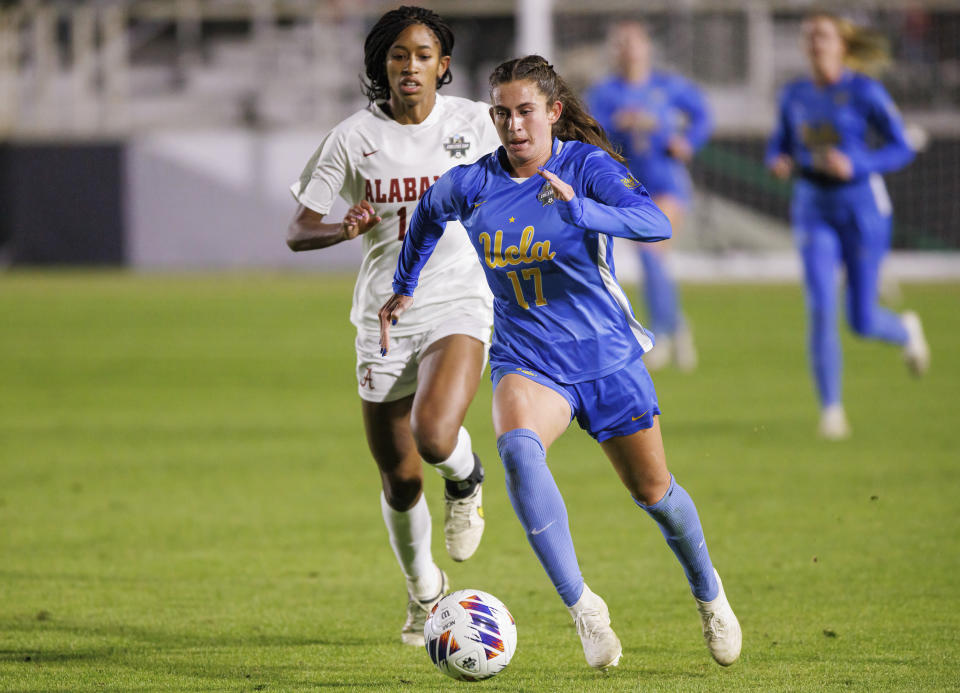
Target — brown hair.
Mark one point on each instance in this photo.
(867, 51)
(575, 122)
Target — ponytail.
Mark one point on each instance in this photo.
(575, 122)
(867, 51)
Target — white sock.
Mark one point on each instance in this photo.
(427, 587)
(410, 538)
(459, 465)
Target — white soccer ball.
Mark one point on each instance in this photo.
(470, 635)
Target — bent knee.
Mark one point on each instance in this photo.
(648, 486)
(436, 440)
(402, 492)
(520, 448)
(862, 323)
(649, 494)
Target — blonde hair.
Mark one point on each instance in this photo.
(867, 51)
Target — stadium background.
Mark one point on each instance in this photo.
(187, 502)
(164, 133)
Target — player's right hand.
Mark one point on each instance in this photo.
(634, 120)
(358, 220)
(389, 313)
(561, 188)
(781, 166)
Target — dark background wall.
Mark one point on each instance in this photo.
(221, 199)
(62, 203)
(924, 194)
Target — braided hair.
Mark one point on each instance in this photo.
(575, 122)
(376, 86)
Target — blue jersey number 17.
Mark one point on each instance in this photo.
(529, 273)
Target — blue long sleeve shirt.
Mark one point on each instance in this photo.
(557, 305)
(675, 105)
(813, 118)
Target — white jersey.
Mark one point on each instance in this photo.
(370, 156)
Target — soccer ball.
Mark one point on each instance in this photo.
(470, 635)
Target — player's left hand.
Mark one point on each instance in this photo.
(561, 190)
(837, 164)
(389, 313)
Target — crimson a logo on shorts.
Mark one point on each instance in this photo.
(367, 379)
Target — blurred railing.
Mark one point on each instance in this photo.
(84, 68)
(94, 67)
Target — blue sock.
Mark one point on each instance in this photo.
(539, 506)
(876, 322)
(826, 357)
(867, 317)
(888, 327)
(677, 516)
(660, 293)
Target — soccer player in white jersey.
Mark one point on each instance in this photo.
(381, 160)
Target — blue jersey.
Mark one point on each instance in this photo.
(558, 308)
(813, 118)
(675, 105)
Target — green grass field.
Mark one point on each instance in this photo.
(187, 503)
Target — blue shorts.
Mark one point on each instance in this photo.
(617, 404)
(664, 176)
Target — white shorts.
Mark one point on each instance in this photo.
(394, 376)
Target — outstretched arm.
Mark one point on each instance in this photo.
(426, 227)
(418, 245)
(624, 208)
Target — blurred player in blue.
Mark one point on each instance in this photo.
(841, 211)
(541, 213)
(658, 120)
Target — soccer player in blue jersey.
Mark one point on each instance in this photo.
(658, 120)
(541, 213)
(840, 210)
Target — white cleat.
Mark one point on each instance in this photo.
(833, 423)
(417, 612)
(721, 629)
(463, 524)
(659, 357)
(601, 646)
(684, 350)
(916, 352)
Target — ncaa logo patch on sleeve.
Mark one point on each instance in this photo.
(545, 196)
(457, 147)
